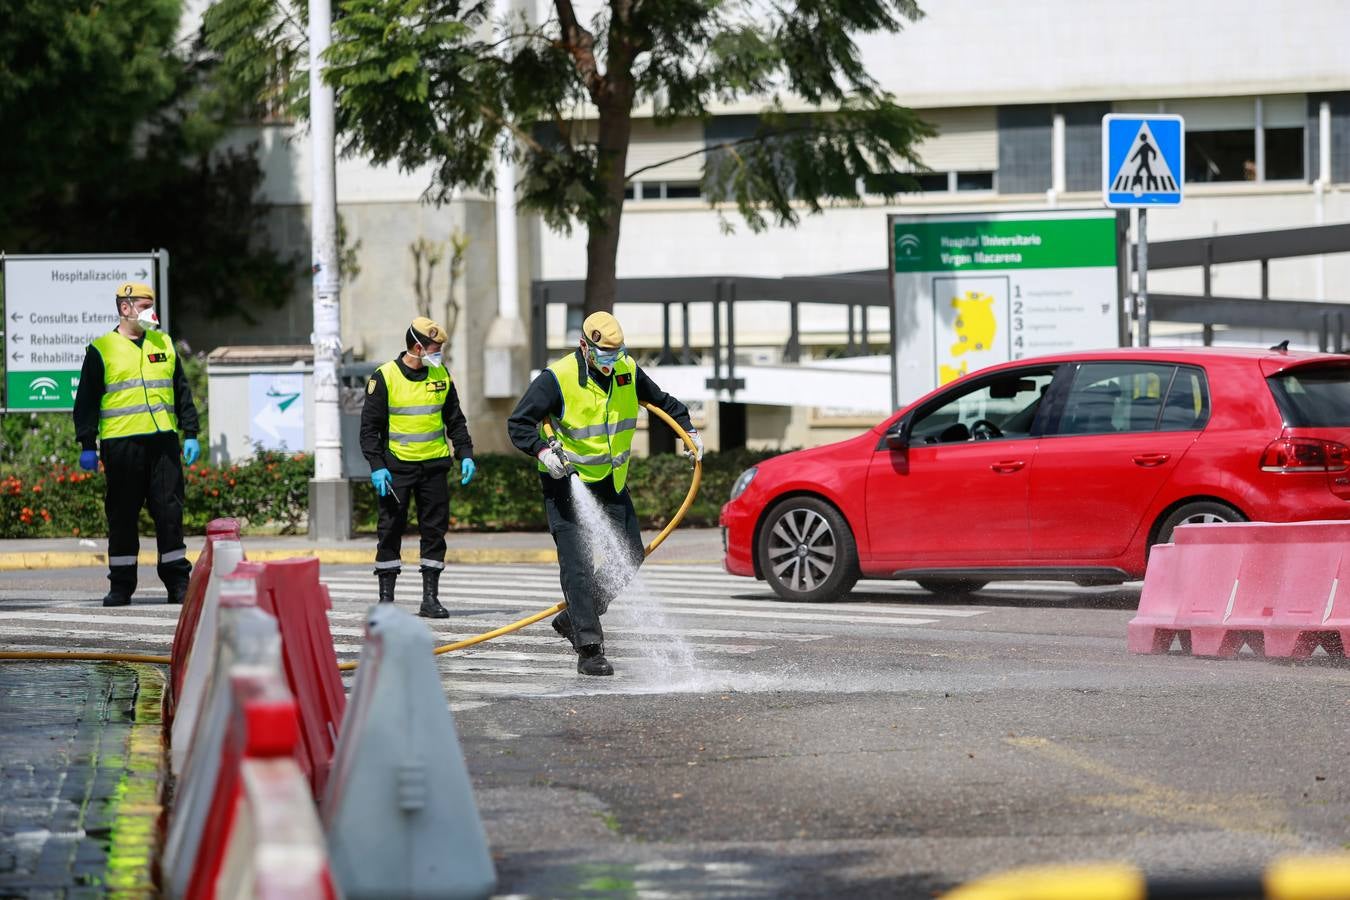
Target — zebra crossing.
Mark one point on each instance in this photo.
(687, 628)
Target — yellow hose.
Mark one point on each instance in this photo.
(694, 483)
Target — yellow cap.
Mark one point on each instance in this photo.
(135, 290)
(603, 330)
(427, 331)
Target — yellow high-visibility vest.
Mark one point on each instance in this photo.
(597, 427)
(416, 429)
(137, 385)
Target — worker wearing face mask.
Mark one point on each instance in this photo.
(411, 407)
(591, 397)
(132, 401)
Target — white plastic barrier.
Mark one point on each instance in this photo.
(201, 663)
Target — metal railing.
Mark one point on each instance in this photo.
(854, 292)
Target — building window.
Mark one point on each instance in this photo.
(1220, 156)
(974, 181)
(1284, 154)
(663, 190)
(927, 182)
(1232, 139)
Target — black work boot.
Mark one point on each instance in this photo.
(387, 578)
(562, 623)
(431, 603)
(591, 661)
(177, 593)
(115, 597)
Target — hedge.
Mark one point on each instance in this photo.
(270, 494)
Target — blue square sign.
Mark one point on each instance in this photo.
(1143, 160)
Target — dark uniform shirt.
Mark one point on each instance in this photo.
(375, 418)
(89, 400)
(543, 398)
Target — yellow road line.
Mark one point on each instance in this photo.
(1249, 814)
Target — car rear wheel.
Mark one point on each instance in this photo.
(951, 585)
(806, 551)
(1201, 512)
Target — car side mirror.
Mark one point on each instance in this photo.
(896, 439)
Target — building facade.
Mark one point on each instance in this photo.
(1017, 93)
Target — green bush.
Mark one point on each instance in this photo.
(270, 493)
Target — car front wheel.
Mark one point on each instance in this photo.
(806, 551)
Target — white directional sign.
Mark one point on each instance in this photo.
(1143, 160)
(54, 307)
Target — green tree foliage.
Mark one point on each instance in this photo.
(437, 83)
(110, 135)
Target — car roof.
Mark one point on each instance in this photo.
(1270, 360)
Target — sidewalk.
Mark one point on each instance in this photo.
(81, 779)
(685, 546)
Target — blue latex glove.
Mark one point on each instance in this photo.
(191, 450)
(89, 460)
(466, 470)
(383, 481)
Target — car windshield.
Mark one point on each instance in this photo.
(1007, 403)
(1313, 398)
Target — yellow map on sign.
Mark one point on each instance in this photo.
(975, 323)
(948, 373)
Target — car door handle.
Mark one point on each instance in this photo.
(1149, 460)
(1004, 466)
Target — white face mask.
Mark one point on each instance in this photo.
(146, 318)
(432, 359)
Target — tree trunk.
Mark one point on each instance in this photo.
(602, 243)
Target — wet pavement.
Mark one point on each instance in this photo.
(80, 779)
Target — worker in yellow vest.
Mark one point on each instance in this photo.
(132, 401)
(592, 397)
(411, 406)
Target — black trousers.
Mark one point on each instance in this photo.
(590, 591)
(425, 481)
(145, 471)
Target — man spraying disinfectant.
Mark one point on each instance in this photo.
(592, 397)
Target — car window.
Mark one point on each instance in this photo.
(1187, 405)
(1004, 407)
(1123, 397)
(1313, 398)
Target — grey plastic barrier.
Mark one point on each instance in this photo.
(399, 810)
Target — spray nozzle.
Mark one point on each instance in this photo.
(556, 446)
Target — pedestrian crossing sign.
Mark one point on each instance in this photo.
(1143, 160)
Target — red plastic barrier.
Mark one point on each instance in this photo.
(251, 807)
(1272, 586)
(291, 591)
(188, 616)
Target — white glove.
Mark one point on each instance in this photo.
(552, 463)
(698, 444)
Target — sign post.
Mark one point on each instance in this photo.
(973, 289)
(55, 305)
(1143, 165)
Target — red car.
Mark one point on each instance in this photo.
(1061, 467)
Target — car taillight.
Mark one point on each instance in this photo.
(1290, 454)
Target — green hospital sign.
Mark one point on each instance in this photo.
(1004, 244)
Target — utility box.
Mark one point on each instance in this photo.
(261, 397)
